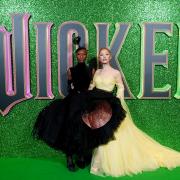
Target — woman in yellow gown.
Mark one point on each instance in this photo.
(132, 151)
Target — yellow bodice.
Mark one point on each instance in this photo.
(105, 83)
(108, 82)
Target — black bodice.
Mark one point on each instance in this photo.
(81, 77)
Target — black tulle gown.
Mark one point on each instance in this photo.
(82, 120)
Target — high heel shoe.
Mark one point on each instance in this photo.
(70, 164)
(80, 162)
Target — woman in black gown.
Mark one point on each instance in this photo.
(59, 124)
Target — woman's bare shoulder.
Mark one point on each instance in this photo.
(98, 71)
(116, 72)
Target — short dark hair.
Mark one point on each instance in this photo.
(80, 48)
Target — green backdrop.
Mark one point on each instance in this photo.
(158, 118)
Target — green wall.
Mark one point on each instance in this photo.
(158, 118)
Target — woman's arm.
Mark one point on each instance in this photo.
(120, 86)
(93, 84)
(69, 74)
(69, 77)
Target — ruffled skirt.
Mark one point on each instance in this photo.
(80, 122)
(131, 152)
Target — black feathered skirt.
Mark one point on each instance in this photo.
(79, 122)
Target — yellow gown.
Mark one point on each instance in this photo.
(132, 151)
